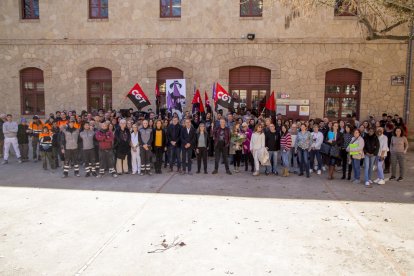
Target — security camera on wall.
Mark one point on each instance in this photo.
(251, 36)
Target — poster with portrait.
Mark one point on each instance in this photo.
(176, 95)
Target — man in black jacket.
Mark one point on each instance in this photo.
(272, 144)
(173, 143)
(188, 137)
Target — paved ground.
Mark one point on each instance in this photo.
(226, 225)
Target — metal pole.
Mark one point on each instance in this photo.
(408, 86)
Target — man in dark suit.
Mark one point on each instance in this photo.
(188, 137)
(173, 143)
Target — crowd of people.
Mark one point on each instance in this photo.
(142, 143)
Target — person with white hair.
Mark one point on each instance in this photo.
(10, 139)
(122, 147)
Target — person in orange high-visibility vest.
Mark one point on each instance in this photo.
(63, 121)
(45, 148)
(35, 128)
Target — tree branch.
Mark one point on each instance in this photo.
(385, 30)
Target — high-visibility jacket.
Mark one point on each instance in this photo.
(62, 123)
(36, 128)
(49, 125)
(45, 141)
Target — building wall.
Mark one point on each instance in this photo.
(206, 42)
(297, 69)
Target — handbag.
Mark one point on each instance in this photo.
(325, 149)
(335, 152)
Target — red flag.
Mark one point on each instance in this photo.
(271, 103)
(198, 101)
(157, 91)
(138, 97)
(223, 98)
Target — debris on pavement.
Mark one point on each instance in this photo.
(165, 246)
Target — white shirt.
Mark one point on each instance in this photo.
(383, 145)
(134, 139)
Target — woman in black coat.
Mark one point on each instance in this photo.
(202, 144)
(336, 139)
(159, 143)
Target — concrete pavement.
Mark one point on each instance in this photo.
(228, 225)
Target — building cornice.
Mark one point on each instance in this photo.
(204, 41)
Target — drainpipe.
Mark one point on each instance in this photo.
(409, 76)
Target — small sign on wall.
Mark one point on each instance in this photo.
(304, 110)
(398, 80)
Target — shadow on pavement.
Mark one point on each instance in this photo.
(243, 184)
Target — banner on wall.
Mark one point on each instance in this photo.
(176, 95)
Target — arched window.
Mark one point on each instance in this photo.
(99, 89)
(342, 93)
(164, 74)
(251, 84)
(32, 91)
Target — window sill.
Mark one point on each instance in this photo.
(98, 19)
(29, 20)
(170, 19)
(251, 17)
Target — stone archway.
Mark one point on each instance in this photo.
(329, 65)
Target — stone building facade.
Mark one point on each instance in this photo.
(205, 43)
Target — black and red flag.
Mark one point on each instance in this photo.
(138, 97)
(223, 98)
(197, 102)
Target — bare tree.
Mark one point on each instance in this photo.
(379, 17)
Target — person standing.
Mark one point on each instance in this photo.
(356, 151)
(105, 138)
(246, 153)
(145, 141)
(382, 154)
(236, 147)
(257, 144)
(221, 146)
(159, 144)
(122, 147)
(336, 139)
(70, 148)
(346, 161)
(135, 155)
(317, 140)
(302, 147)
(389, 132)
(285, 146)
(399, 148)
(23, 139)
(371, 149)
(293, 156)
(88, 149)
(174, 143)
(202, 143)
(45, 148)
(188, 138)
(10, 129)
(2, 120)
(272, 143)
(35, 127)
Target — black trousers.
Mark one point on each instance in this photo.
(186, 158)
(202, 156)
(159, 151)
(89, 159)
(221, 150)
(248, 158)
(237, 158)
(211, 147)
(71, 158)
(106, 161)
(145, 159)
